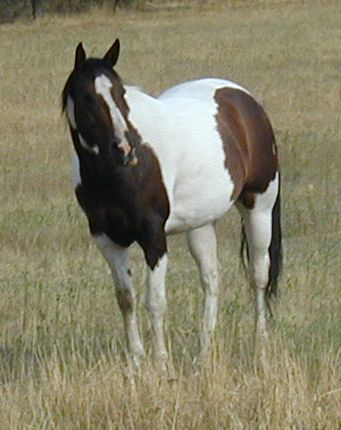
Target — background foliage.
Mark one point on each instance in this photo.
(14, 9)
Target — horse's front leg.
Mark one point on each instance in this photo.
(118, 260)
(156, 307)
(155, 250)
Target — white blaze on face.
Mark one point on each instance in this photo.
(103, 86)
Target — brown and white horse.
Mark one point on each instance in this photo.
(147, 167)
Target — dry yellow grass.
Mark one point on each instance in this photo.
(62, 363)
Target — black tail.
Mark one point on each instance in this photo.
(244, 249)
(275, 248)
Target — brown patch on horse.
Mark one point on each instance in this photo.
(127, 204)
(249, 143)
(125, 300)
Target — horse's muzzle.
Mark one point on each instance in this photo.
(130, 159)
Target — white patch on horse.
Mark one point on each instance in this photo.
(76, 176)
(70, 109)
(266, 200)
(103, 86)
(201, 89)
(89, 148)
(155, 304)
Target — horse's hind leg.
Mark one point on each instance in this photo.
(262, 229)
(203, 247)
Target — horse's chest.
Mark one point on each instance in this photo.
(108, 214)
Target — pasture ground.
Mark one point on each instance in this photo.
(62, 363)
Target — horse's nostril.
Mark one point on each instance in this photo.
(124, 147)
(132, 159)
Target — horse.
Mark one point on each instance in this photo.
(147, 167)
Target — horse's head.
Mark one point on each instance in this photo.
(93, 99)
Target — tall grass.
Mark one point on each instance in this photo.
(62, 360)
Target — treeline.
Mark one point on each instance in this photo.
(13, 9)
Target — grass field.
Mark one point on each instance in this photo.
(62, 362)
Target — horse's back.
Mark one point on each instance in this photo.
(200, 89)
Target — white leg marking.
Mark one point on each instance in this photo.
(203, 247)
(70, 110)
(258, 232)
(258, 229)
(118, 260)
(156, 305)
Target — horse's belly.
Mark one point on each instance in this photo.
(200, 201)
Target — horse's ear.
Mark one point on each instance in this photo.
(80, 55)
(112, 55)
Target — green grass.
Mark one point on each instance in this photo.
(62, 363)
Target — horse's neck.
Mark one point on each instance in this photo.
(134, 96)
(145, 110)
(153, 121)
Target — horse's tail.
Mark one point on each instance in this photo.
(274, 249)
